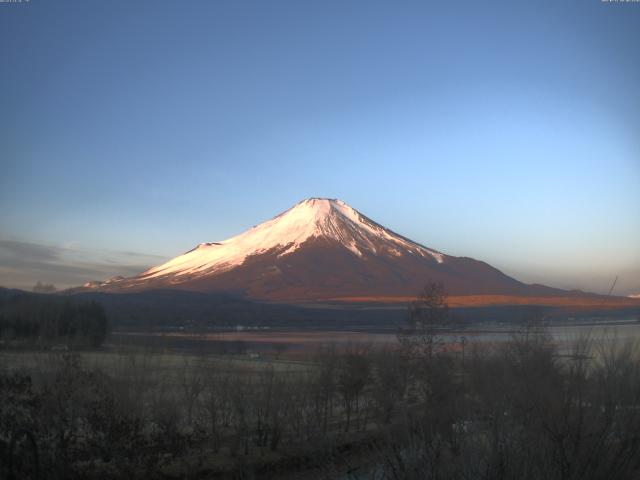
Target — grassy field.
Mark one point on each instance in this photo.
(166, 366)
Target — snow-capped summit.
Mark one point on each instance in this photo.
(320, 248)
(315, 218)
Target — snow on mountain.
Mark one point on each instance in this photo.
(313, 218)
(320, 249)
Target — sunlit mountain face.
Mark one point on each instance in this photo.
(317, 250)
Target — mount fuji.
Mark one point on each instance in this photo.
(321, 249)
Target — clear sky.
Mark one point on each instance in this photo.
(508, 131)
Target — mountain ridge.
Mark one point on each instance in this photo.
(319, 249)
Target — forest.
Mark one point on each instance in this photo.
(29, 320)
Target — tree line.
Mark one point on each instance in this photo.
(45, 319)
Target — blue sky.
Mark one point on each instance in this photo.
(505, 131)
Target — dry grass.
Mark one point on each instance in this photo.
(500, 300)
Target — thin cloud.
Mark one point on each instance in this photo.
(23, 263)
(9, 248)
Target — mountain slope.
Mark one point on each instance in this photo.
(321, 249)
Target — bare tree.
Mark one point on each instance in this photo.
(217, 405)
(325, 384)
(391, 379)
(192, 384)
(353, 377)
(427, 316)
